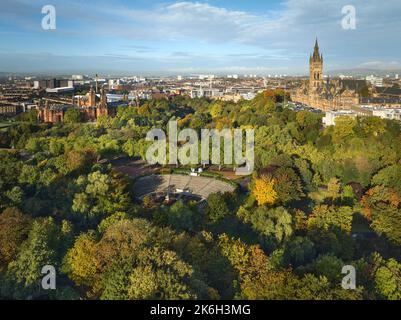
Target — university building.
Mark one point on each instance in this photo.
(327, 94)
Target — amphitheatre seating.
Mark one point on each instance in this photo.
(201, 187)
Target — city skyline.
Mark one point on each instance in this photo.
(176, 37)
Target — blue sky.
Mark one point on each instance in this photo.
(184, 37)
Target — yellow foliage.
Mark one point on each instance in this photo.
(264, 191)
(81, 263)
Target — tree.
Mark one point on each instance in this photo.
(29, 175)
(15, 195)
(42, 248)
(72, 115)
(299, 251)
(310, 287)
(78, 160)
(129, 148)
(264, 192)
(381, 207)
(274, 222)
(388, 279)
(180, 216)
(216, 208)
(287, 185)
(14, 228)
(334, 188)
(216, 109)
(115, 281)
(325, 217)
(81, 263)
(373, 126)
(255, 273)
(344, 129)
(389, 177)
(100, 195)
(130, 261)
(160, 275)
(56, 146)
(330, 267)
(31, 116)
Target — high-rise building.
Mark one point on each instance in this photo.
(375, 81)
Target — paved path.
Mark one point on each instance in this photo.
(200, 187)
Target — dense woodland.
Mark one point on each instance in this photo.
(320, 199)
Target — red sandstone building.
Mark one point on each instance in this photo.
(90, 106)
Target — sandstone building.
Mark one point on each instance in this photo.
(325, 94)
(90, 106)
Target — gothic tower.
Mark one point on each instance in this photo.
(316, 69)
(92, 97)
(102, 107)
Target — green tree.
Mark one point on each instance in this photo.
(388, 279)
(15, 195)
(299, 251)
(325, 217)
(276, 222)
(42, 248)
(216, 208)
(180, 217)
(160, 275)
(72, 115)
(330, 267)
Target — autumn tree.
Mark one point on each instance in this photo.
(325, 217)
(263, 190)
(14, 228)
(287, 185)
(381, 207)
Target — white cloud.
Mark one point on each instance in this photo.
(383, 65)
(200, 34)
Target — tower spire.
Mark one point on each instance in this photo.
(316, 51)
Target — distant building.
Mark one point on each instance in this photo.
(90, 106)
(77, 77)
(206, 93)
(10, 110)
(326, 94)
(375, 81)
(383, 113)
(233, 76)
(60, 90)
(331, 116)
(207, 77)
(390, 114)
(52, 83)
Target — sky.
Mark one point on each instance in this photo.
(192, 37)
